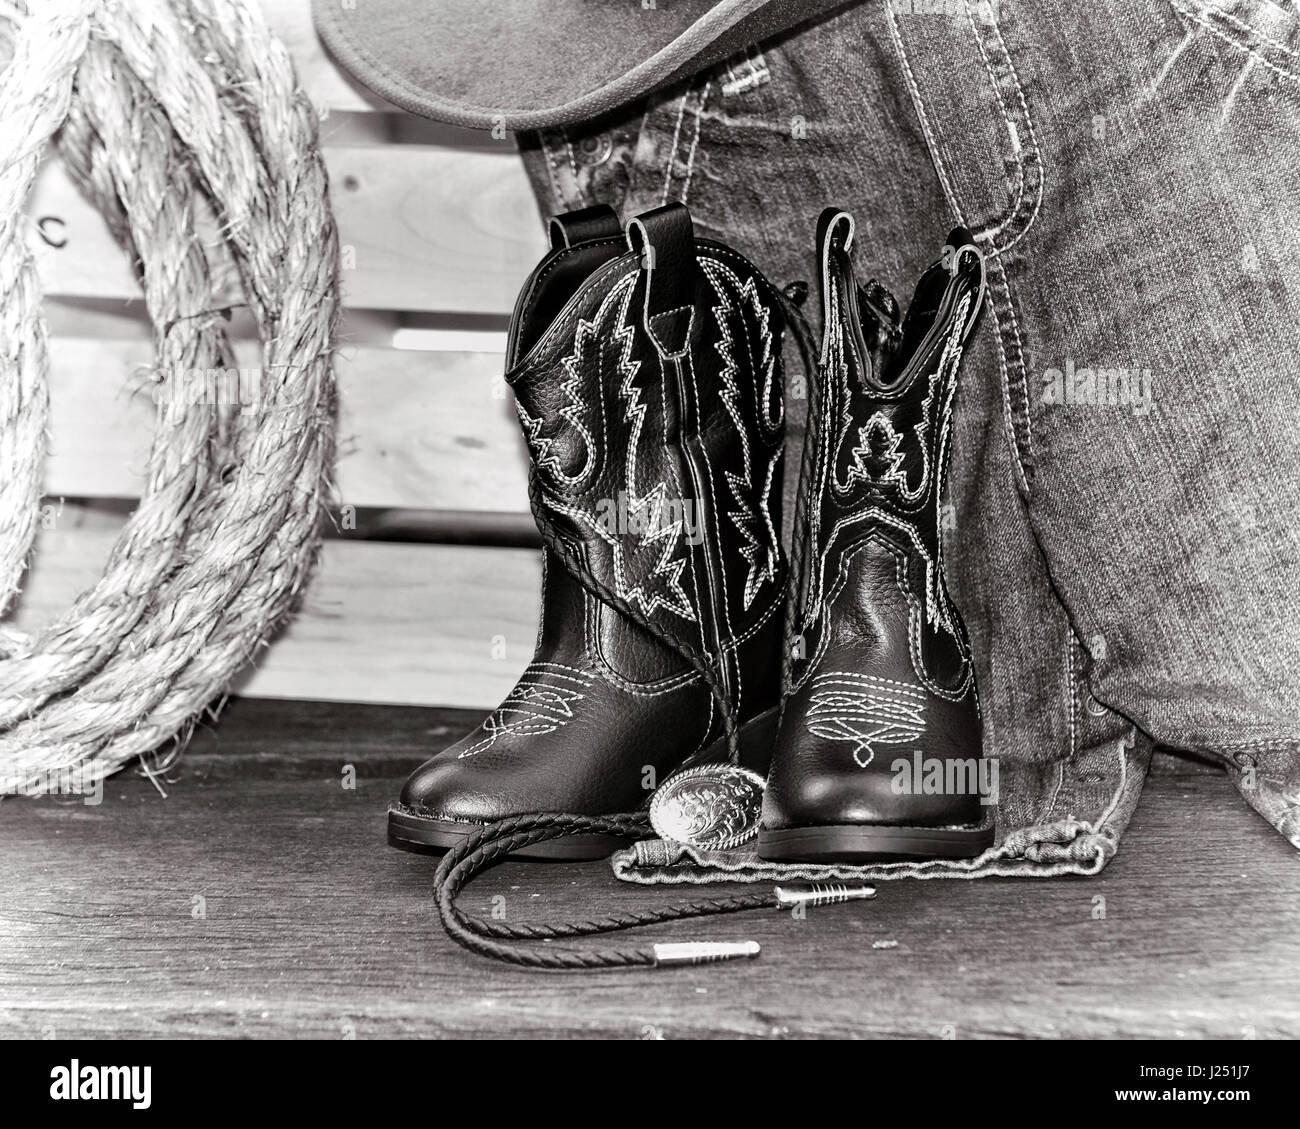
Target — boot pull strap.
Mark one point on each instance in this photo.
(571, 228)
(665, 240)
(835, 230)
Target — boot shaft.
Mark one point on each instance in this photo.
(647, 377)
(877, 453)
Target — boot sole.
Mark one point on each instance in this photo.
(856, 843)
(421, 835)
(409, 831)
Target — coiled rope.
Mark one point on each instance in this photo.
(162, 112)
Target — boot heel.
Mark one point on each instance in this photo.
(757, 739)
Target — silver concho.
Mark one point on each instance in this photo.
(715, 806)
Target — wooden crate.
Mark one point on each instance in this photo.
(439, 229)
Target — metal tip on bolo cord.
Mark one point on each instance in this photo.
(704, 952)
(820, 894)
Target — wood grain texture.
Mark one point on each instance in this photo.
(424, 430)
(315, 927)
(423, 228)
(420, 624)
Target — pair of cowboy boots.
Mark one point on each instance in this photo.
(646, 368)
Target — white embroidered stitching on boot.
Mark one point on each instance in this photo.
(534, 706)
(865, 710)
(761, 548)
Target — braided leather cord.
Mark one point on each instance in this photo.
(494, 841)
(793, 299)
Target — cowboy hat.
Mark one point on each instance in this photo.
(538, 64)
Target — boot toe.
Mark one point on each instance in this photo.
(443, 788)
(833, 798)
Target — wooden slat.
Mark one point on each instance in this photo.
(117, 320)
(435, 229)
(416, 624)
(423, 228)
(423, 430)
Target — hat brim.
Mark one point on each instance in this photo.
(539, 64)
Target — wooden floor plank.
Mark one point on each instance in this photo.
(313, 926)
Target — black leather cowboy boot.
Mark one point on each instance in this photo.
(647, 376)
(878, 754)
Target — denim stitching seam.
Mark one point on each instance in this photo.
(914, 89)
(1247, 48)
(695, 141)
(552, 168)
(1264, 743)
(1022, 162)
(1254, 31)
(1069, 678)
(573, 167)
(989, 233)
(672, 149)
(1010, 328)
(1004, 383)
(1020, 366)
(1119, 788)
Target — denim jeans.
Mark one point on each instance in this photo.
(1124, 540)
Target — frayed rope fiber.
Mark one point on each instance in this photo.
(163, 111)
